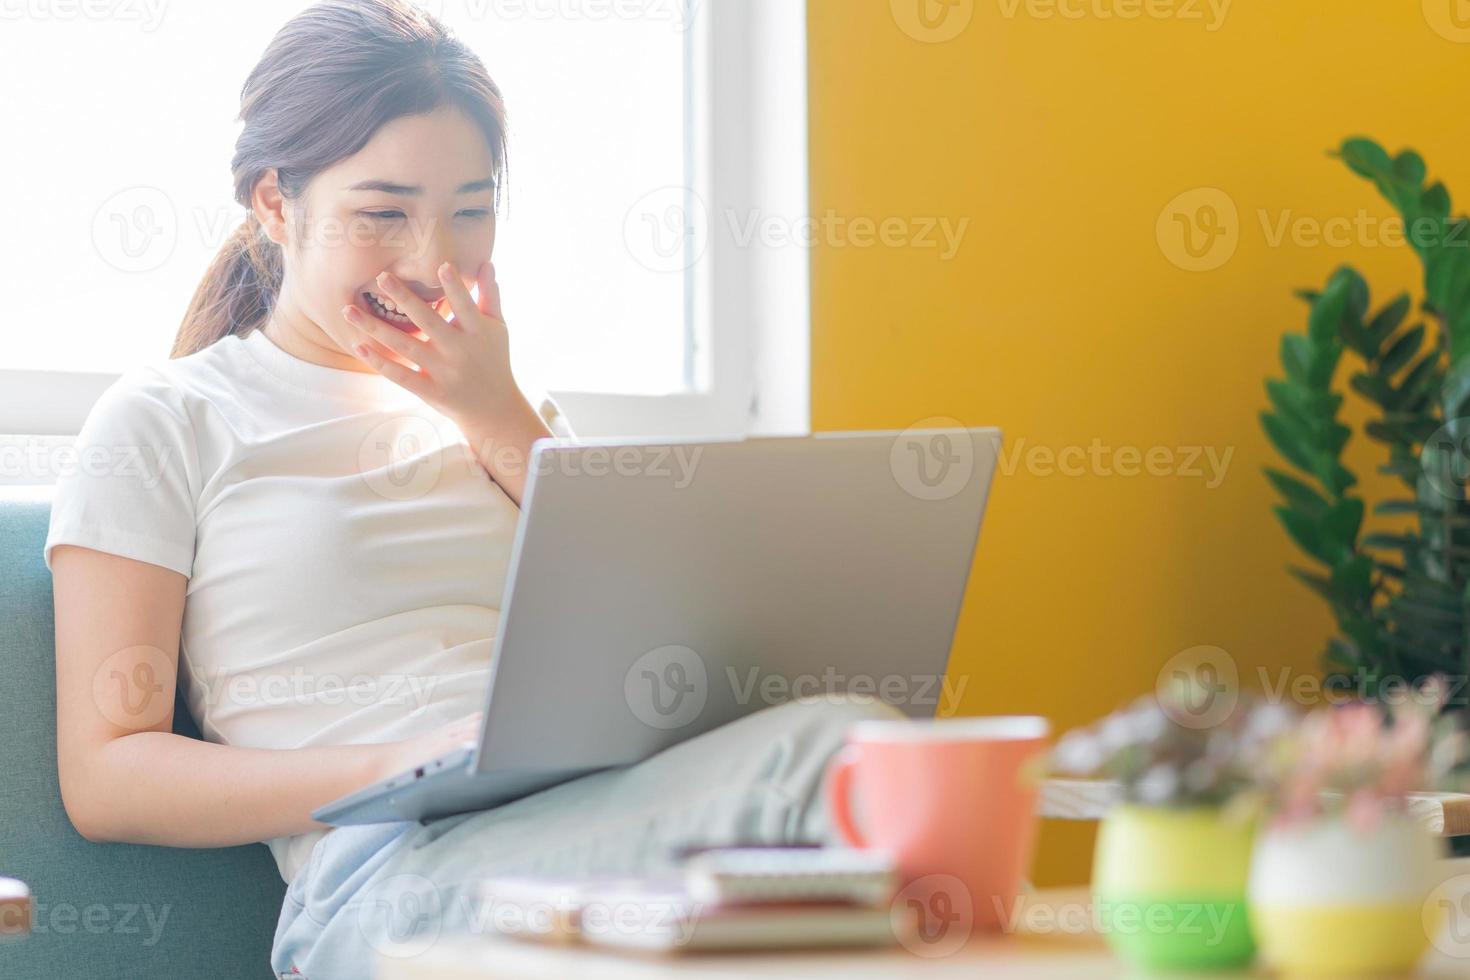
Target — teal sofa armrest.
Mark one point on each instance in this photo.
(103, 910)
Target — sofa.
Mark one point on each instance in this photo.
(103, 910)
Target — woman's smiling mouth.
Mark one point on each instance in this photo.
(385, 309)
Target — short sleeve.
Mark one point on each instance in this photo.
(129, 485)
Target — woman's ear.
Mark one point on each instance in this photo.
(269, 206)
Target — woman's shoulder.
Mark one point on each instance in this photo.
(187, 377)
(165, 392)
(219, 363)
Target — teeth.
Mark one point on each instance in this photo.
(387, 306)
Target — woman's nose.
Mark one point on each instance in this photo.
(436, 247)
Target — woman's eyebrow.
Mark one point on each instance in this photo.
(408, 190)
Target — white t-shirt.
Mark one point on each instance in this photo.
(345, 552)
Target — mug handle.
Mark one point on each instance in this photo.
(839, 789)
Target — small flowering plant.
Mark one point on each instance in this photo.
(1360, 760)
(1159, 759)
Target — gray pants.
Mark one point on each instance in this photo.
(400, 886)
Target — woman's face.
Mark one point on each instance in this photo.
(420, 193)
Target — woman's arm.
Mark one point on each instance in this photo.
(504, 448)
(124, 775)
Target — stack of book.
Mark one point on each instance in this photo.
(722, 899)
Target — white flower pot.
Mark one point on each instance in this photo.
(1327, 899)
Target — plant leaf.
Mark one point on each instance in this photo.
(1298, 495)
(1402, 350)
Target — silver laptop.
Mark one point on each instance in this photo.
(659, 589)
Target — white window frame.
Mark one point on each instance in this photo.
(749, 93)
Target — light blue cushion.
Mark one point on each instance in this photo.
(213, 912)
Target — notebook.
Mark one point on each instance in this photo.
(748, 898)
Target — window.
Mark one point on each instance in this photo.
(648, 137)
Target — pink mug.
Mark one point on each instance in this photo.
(953, 799)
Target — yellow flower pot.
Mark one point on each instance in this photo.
(1327, 900)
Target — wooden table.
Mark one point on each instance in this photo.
(1054, 940)
(1442, 814)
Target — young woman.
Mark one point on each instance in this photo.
(301, 523)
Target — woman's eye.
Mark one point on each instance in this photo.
(476, 213)
(383, 214)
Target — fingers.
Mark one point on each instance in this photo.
(403, 349)
(393, 371)
(489, 291)
(424, 316)
(460, 300)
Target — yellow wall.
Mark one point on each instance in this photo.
(1062, 319)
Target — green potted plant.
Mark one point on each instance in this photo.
(1341, 870)
(1401, 597)
(1172, 860)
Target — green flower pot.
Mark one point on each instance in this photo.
(1170, 887)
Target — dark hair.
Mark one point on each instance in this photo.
(329, 79)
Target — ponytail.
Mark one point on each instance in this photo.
(238, 291)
